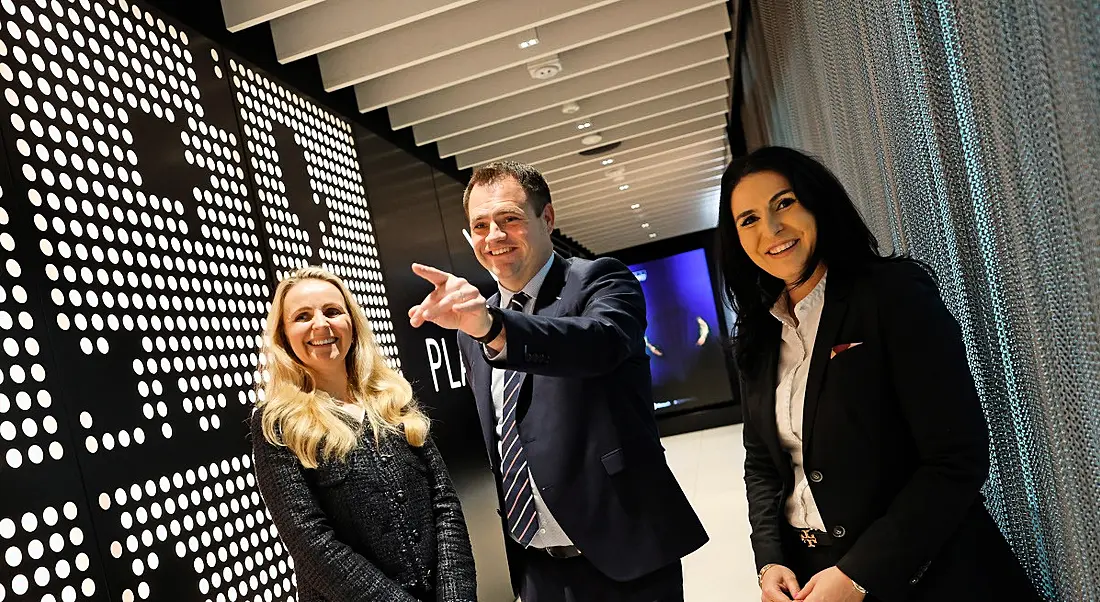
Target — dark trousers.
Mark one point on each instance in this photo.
(548, 579)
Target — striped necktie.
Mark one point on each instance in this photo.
(523, 521)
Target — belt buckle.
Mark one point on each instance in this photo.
(808, 538)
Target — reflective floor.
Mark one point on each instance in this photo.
(710, 467)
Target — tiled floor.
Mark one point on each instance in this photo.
(710, 467)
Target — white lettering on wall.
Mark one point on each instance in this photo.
(439, 359)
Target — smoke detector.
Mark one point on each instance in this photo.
(545, 68)
(570, 107)
(591, 139)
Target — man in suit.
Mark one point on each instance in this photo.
(557, 363)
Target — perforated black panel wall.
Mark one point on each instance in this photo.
(322, 218)
(155, 190)
(46, 532)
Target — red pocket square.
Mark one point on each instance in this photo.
(838, 349)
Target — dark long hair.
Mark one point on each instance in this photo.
(843, 241)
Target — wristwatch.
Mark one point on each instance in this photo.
(494, 328)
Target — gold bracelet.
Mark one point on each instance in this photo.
(764, 569)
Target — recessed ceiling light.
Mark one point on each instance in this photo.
(607, 162)
(616, 173)
(528, 38)
(624, 187)
(570, 107)
(635, 206)
(653, 235)
(645, 225)
(591, 139)
(584, 126)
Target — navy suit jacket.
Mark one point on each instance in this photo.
(586, 420)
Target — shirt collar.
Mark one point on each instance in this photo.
(811, 302)
(531, 288)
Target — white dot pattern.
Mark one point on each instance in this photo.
(169, 282)
(122, 259)
(344, 242)
(28, 424)
(213, 520)
(45, 556)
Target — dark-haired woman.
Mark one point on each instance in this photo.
(866, 446)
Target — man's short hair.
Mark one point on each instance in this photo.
(529, 178)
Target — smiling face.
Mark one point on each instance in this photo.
(777, 232)
(508, 238)
(318, 326)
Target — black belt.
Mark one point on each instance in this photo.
(562, 551)
(810, 538)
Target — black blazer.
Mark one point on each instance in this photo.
(894, 439)
(586, 420)
(385, 525)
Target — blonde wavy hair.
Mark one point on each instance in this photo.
(308, 421)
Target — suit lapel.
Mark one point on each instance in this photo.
(763, 397)
(552, 284)
(837, 288)
(549, 292)
(483, 372)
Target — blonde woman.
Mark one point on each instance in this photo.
(357, 489)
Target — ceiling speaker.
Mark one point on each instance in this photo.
(545, 68)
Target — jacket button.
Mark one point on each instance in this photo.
(816, 476)
(839, 531)
(400, 495)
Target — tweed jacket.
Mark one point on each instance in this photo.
(383, 526)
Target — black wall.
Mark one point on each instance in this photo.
(154, 186)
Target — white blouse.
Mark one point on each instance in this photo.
(795, 349)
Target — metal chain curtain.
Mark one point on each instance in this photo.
(968, 132)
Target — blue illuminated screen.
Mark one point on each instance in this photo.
(683, 336)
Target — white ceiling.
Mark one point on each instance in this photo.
(653, 75)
